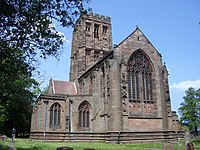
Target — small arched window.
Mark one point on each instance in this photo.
(55, 114)
(139, 77)
(84, 116)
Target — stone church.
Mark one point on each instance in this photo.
(115, 94)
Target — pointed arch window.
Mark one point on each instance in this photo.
(55, 116)
(96, 31)
(139, 77)
(84, 115)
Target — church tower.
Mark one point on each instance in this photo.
(115, 95)
(91, 41)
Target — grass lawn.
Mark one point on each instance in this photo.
(4, 145)
(26, 144)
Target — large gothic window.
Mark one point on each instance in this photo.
(55, 114)
(139, 77)
(84, 116)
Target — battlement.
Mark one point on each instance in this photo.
(98, 17)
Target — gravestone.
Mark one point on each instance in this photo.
(189, 146)
(64, 148)
(2, 137)
(168, 147)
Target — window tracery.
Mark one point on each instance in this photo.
(55, 116)
(139, 78)
(84, 115)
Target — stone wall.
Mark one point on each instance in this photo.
(145, 124)
(157, 108)
(38, 115)
(108, 137)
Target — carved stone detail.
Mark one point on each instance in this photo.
(166, 90)
(139, 64)
(124, 94)
(134, 107)
(148, 108)
(124, 106)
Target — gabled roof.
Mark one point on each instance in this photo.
(138, 29)
(110, 55)
(62, 87)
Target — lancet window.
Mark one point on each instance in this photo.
(88, 25)
(105, 29)
(139, 77)
(96, 30)
(55, 115)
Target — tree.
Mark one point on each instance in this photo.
(27, 33)
(16, 85)
(190, 110)
(28, 25)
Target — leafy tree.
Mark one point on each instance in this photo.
(190, 110)
(16, 85)
(45, 90)
(12, 66)
(28, 24)
(27, 33)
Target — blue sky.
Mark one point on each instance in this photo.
(172, 26)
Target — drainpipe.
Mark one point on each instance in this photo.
(70, 103)
(45, 114)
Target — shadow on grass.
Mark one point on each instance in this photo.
(32, 148)
(3, 147)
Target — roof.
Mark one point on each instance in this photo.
(62, 87)
(138, 29)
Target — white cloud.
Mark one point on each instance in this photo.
(68, 41)
(64, 39)
(184, 85)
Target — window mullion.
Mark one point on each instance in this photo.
(137, 86)
(150, 82)
(129, 85)
(143, 84)
(133, 85)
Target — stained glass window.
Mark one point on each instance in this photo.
(139, 77)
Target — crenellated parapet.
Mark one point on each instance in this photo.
(98, 17)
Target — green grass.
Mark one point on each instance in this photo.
(4, 145)
(27, 144)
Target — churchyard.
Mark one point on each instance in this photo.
(27, 144)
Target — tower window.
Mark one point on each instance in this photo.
(105, 30)
(55, 114)
(96, 30)
(88, 25)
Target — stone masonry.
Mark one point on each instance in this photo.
(118, 94)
